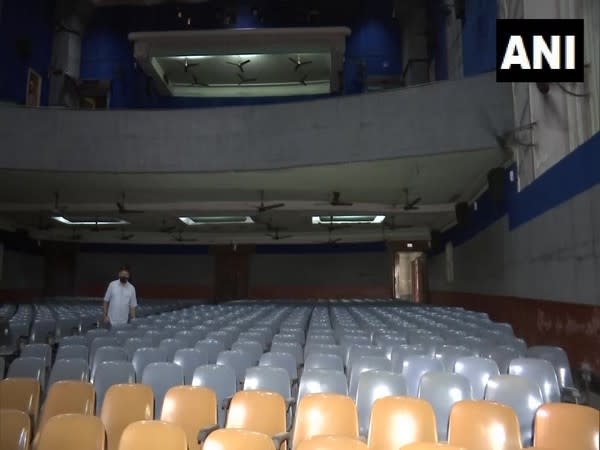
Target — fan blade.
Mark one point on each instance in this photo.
(244, 63)
(305, 63)
(231, 63)
(293, 61)
(263, 208)
(413, 204)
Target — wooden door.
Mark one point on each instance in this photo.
(232, 269)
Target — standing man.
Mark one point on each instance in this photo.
(120, 300)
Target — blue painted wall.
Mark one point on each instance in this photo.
(107, 53)
(479, 37)
(31, 21)
(574, 174)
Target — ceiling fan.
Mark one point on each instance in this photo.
(186, 65)
(263, 208)
(298, 63)
(336, 200)
(167, 228)
(243, 79)
(196, 82)
(239, 65)
(179, 238)
(123, 210)
(391, 224)
(58, 210)
(276, 236)
(125, 237)
(410, 205)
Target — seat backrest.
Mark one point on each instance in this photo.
(364, 364)
(400, 352)
(559, 359)
(144, 356)
(237, 360)
(289, 347)
(503, 356)
(238, 439)
(15, 429)
(68, 397)
(431, 446)
(478, 371)
(22, 394)
(72, 432)
(221, 379)
(373, 385)
(133, 343)
(414, 367)
(332, 443)
(399, 421)
(273, 379)
(123, 405)
(43, 351)
(110, 373)
(327, 361)
(192, 408)
(102, 341)
(317, 381)
(211, 348)
(540, 371)
(563, 425)
(448, 355)
(68, 369)
(108, 353)
(153, 435)
(442, 390)
(483, 424)
(285, 361)
(28, 367)
(253, 348)
(336, 416)
(162, 376)
(73, 340)
(190, 337)
(72, 352)
(170, 346)
(264, 412)
(522, 394)
(189, 359)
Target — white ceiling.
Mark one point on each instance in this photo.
(27, 199)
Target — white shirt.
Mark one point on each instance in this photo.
(120, 297)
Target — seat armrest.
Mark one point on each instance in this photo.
(204, 432)
(290, 402)
(280, 438)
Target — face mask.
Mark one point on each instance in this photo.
(123, 280)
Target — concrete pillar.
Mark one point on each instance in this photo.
(415, 58)
(70, 19)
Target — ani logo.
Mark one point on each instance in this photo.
(539, 50)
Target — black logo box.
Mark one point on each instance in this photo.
(527, 28)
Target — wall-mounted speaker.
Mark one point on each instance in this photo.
(463, 214)
(496, 187)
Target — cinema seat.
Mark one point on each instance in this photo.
(15, 429)
(480, 424)
(332, 443)
(153, 435)
(324, 414)
(560, 426)
(193, 408)
(230, 439)
(398, 421)
(22, 394)
(72, 432)
(125, 404)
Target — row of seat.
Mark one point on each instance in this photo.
(395, 421)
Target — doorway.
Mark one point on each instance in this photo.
(409, 276)
(232, 269)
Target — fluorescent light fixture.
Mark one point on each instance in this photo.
(328, 220)
(88, 221)
(217, 220)
(409, 245)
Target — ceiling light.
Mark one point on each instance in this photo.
(217, 220)
(329, 220)
(88, 221)
(409, 245)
